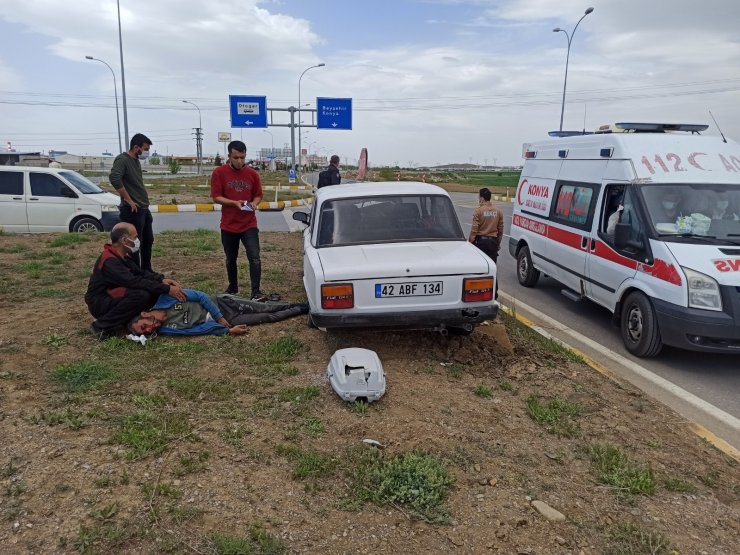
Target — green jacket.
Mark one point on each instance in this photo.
(126, 173)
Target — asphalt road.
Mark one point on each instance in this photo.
(712, 378)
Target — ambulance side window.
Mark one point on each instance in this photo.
(574, 204)
(630, 215)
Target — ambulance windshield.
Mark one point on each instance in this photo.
(694, 210)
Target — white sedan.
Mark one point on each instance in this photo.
(393, 254)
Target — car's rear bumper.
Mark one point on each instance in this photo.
(425, 319)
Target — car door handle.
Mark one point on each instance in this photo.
(593, 245)
(584, 242)
(17, 198)
(33, 198)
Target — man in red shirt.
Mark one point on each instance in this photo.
(237, 188)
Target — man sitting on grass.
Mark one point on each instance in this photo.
(204, 315)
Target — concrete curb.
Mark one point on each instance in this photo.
(173, 208)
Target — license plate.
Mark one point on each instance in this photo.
(415, 289)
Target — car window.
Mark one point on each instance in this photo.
(48, 185)
(11, 183)
(388, 219)
(83, 184)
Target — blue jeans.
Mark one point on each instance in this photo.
(251, 241)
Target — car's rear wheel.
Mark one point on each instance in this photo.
(525, 270)
(639, 326)
(86, 224)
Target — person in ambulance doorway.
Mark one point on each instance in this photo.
(722, 209)
(238, 189)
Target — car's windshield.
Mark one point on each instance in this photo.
(694, 209)
(83, 184)
(388, 219)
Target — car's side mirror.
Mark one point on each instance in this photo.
(302, 217)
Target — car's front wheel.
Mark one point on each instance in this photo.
(639, 326)
(86, 224)
(525, 270)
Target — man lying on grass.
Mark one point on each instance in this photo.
(200, 314)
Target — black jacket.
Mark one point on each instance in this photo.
(112, 276)
(330, 176)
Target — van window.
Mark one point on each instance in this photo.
(48, 185)
(573, 204)
(11, 183)
(83, 184)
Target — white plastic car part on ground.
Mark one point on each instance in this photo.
(356, 374)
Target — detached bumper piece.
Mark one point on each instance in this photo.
(356, 374)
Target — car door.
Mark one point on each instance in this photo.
(51, 203)
(607, 267)
(13, 215)
(569, 232)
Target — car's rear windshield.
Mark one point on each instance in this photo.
(83, 184)
(387, 219)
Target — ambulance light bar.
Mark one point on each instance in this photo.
(627, 127)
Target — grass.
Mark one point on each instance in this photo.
(83, 375)
(710, 479)
(679, 485)
(455, 371)
(505, 385)
(195, 388)
(258, 542)
(192, 464)
(72, 419)
(148, 433)
(542, 345)
(613, 467)
(483, 391)
(234, 435)
(299, 397)
(308, 463)
(416, 481)
(631, 539)
(555, 416)
(56, 340)
(360, 408)
(72, 239)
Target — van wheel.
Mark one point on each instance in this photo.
(525, 271)
(639, 326)
(86, 224)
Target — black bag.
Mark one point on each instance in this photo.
(324, 179)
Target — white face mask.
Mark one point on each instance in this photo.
(136, 245)
(143, 155)
(669, 205)
(723, 204)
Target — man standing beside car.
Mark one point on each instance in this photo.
(331, 175)
(238, 189)
(127, 179)
(488, 225)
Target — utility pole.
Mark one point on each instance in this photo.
(198, 132)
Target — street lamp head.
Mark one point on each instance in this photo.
(556, 30)
(588, 11)
(89, 58)
(322, 64)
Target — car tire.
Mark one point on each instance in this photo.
(525, 270)
(86, 224)
(310, 322)
(639, 326)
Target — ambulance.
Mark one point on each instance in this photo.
(643, 219)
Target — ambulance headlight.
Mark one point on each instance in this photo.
(703, 291)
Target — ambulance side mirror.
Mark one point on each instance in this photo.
(621, 235)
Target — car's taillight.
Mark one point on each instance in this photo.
(477, 289)
(337, 296)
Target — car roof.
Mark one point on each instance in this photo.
(377, 188)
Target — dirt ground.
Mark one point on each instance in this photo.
(237, 417)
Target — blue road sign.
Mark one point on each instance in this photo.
(291, 175)
(248, 111)
(333, 113)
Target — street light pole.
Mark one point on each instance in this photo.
(198, 135)
(567, 59)
(272, 144)
(123, 76)
(299, 114)
(115, 92)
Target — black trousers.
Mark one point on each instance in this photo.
(251, 241)
(110, 313)
(489, 245)
(142, 221)
(242, 311)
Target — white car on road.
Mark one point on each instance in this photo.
(393, 254)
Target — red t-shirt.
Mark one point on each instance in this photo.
(244, 184)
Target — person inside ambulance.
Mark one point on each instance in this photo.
(722, 210)
(670, 207)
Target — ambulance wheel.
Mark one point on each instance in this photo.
(639, 326)
(525, 271)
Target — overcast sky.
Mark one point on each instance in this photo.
(432, 81)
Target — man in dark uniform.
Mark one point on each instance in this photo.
(488, 226)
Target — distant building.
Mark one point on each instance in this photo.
(77, 162)
(23, 159)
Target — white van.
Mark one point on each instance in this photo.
(40, 200)
(669, 270)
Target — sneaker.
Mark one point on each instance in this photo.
(259, 296)
(231, 290)
(98, 333)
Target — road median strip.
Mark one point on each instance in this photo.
(208, 207)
